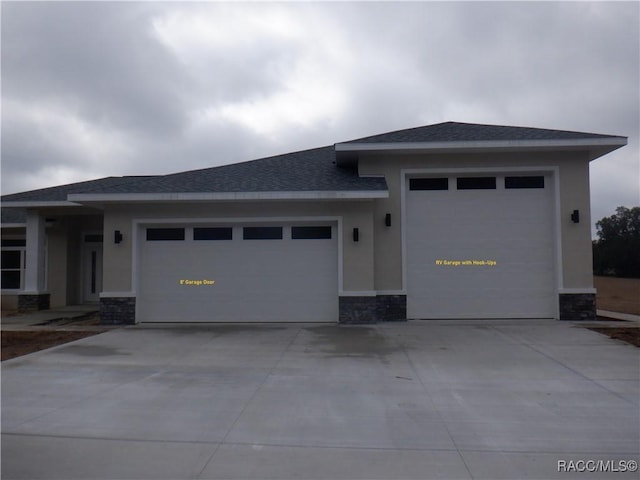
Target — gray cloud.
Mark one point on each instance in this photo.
(98, 88)
(95, 59)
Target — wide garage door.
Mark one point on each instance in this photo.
(238, 273)
(480, 247)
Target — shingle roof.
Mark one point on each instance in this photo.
(59, 193)
(471, 132)
(309, 170)
(13, 215)
(305, 171)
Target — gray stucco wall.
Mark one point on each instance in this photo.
(573, 168)
(357, 257)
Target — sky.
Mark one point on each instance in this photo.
(93, 89)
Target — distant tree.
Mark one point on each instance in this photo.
(617, 250)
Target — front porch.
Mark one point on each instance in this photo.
(52, 260)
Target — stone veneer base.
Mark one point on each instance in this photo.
(357, 310)
(118, 310)
(391, 308)
(577, 306)
(32, 302)
(368, 310)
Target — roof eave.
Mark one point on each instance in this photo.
(596, 146)
(38, 203)
(102, 198)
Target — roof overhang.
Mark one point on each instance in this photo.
(102, 198)
(346, 153)
(39, 204)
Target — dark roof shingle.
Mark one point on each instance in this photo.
(59, 193)
(472, 132)
(308, 170)
(13, 215)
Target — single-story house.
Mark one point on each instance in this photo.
(446, 221)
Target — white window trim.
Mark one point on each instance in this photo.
(22, 268)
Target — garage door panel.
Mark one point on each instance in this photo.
(249, 280)
(483, 305)
(512, 228)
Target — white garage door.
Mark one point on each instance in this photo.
(248, 273)
(480, 247)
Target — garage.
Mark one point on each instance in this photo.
(238, 273)
(480, 246)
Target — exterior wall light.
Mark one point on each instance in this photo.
(117, 236)
(356, 235)
(575, 216)
(387, 219)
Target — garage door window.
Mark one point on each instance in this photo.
(429, 184)
(213, 233)
(310, 233)
(262, 233)
(524, 182)
(476, 183)
(157, 234)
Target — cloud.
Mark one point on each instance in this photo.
(272, 77)
(92, 89)
(97, 59)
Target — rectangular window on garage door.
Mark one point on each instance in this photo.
(159, 234)
(531, 181)
(213, 233)
(262, 233)
(476, 183)
(311, 233)
(429, 184)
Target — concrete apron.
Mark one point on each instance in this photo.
(437, 399)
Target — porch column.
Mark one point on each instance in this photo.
(34, 296)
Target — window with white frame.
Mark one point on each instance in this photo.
(13, 263)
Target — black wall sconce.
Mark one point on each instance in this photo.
(575, 216)
(356, 235)
(387, 219)
(117, 236)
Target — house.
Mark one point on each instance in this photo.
(446, 221)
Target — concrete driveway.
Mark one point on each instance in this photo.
(454, 399)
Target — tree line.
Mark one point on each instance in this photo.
(616, 252)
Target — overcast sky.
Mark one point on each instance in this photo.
(95, 89)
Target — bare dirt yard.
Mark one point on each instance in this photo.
(16, 343)
(620, 295)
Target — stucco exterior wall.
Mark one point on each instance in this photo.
(357, 257)
(74, 267)
(57, 263)
(575, 239)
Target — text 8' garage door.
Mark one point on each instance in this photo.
(274, 273)
(480, 247)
